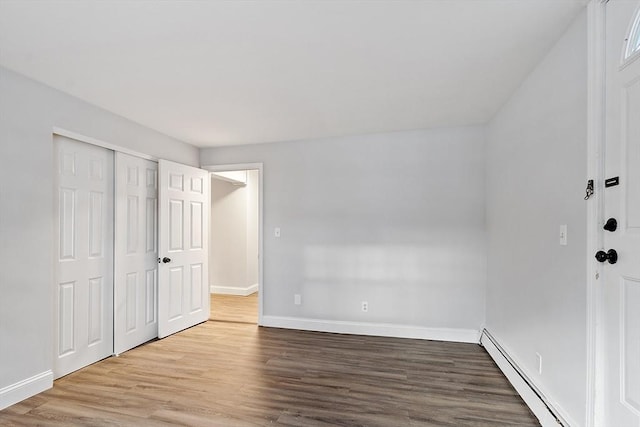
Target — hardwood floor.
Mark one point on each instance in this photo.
(233, 308)
(221, 373)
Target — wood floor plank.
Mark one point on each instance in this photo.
(234, 308)
(235, 374)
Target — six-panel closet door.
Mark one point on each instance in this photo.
(136, 252)
(113, 214)
(83, 268)
(183, 292)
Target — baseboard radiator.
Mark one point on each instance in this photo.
(533, 397)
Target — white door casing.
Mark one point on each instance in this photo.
(259, 168)
(621, 281)
(183, 287)
(83, 268)
(136, 252)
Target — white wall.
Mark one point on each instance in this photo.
(394, 219)
(228, 249)
(536, 176)
(234, 235)
(28, 113)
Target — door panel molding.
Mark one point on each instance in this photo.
(136, 252)
(614, 334)
(83, 244)
(183, 247)
(630, 360)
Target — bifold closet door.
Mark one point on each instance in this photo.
(83, 268)
(183, 290)
(136, 252)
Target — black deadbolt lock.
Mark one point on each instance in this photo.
(611, 255)
(611, 225)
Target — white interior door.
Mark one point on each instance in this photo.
(83, 214)
(183, 290)
(136, 252)
(621, 285)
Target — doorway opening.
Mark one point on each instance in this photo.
(234, 245)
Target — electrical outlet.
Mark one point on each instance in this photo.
(539, 362)
(365, 306)
(297, 299)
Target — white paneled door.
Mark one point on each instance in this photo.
(83, 215)
(621, 285)
(136, 252)
(183, 290)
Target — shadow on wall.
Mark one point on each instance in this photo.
(412, 284)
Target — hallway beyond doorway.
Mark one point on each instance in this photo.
(234, 308)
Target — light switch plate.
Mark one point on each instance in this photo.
(563, 235)
(276, 232)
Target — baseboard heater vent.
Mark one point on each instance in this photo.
(532, 396)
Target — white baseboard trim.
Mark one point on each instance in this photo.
(24, 389)
(535, 400)
(232, 290)
(374, 329)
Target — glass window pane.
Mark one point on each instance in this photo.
(633, 44)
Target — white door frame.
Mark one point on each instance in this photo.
(595, 208)
(259, 167)
(99, 143)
